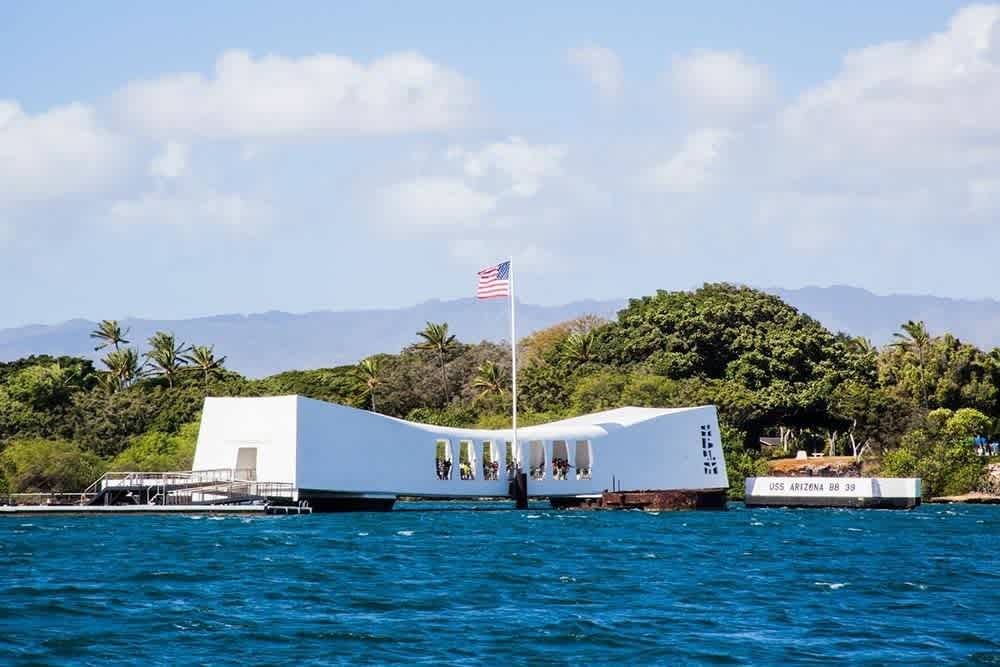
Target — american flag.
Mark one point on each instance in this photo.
(494, 281)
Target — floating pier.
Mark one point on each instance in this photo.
(217, 491)
(153, 509)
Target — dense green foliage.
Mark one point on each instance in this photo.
(156, 450)
(912, 407)
(35, 464)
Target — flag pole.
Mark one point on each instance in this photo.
(513, 366)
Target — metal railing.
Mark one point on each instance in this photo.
(215, 486)
(184, 477)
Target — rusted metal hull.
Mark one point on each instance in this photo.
(650, 500)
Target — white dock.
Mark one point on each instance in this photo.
(860, 492)
(152, 509)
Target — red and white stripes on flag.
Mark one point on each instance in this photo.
(494, 281)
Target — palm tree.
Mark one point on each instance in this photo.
(124, 368)
(579, 348)
(859, 345)
(436, 339)
(489, 380)
(369, 376)
(202, 359)
(166, 356)
(110, 333)
(915, 338)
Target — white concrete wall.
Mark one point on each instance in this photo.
(661, 453)
(833, 487)
(323, 446)
(269, 424)
(350, 450)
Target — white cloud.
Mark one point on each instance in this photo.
(171, 162)
(324, 94)
(721, 83)
(63, 151)
(527, 256)
(476, 195)
(523, 166)
(435, 202)
(934, 99)
(602, 66)
(191, 210)
(984, 195)
(906, 133)
(691, 168)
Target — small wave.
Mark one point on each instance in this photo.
(831, 585)
(534, 516)
(855, 530)
(404, 533)
(362, 534)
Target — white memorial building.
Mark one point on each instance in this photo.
(341, 458)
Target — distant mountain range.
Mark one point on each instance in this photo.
(267, 343)
(861, 313)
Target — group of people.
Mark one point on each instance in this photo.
(560, 468)
(491, 469)
(986, 448)
(443, 468)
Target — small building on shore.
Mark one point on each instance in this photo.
(341, 458)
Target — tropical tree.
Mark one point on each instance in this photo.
(202, 359)
(109, 332)
(489, 380)
(579, 348)
(166, 356)
(369, 376)
(124, 366)
(437, 339)
(914, 338)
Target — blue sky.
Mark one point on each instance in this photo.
(243, 157)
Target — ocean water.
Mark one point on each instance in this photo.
(452, 584)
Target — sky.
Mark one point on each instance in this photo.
(223, 157)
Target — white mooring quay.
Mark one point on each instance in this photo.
(861, 492)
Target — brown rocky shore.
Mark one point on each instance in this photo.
(820, 466)
(974, 498)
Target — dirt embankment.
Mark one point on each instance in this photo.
(822, 466)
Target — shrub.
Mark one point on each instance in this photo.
(158, 451)
(38, 465)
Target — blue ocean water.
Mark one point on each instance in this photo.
(470, 587)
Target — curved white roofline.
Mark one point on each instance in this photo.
(318, 445)
(590, 425)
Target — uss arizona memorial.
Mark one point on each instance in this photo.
(340, 458)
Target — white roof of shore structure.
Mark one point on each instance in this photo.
(321, 446)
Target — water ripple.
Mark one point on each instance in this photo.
(470, 587)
